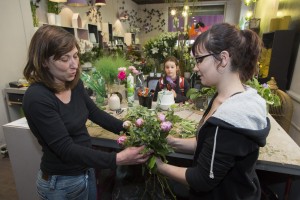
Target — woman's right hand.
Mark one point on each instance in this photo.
(132, 156)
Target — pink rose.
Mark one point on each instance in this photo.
(136, 72)
(166, 126)
(131, 68)
(139, 122)
(122, 75)
(121, 140)
(161, 117)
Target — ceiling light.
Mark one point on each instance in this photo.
(100, 3)
(77, 3)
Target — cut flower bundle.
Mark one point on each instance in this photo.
(151, 128)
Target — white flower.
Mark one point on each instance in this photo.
(165, 43)
(154, 50)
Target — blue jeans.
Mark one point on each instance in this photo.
(81, 187)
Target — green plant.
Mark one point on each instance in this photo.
(265, 92)
(194, 93)
(34, 6)
(108, 67)
(161, 47)
(53, 7)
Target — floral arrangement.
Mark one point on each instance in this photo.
(265, 92)
(160, 47)
(150, 128)
(108, 67)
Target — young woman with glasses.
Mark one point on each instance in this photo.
(235, 124)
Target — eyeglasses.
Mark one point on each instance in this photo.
(200, 59)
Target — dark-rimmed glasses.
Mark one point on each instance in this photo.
(200, 59)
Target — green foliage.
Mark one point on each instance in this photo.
(53, 7)
(108, 67)
(161, 47)
(91, 56)
(265, 92)
(95, 81)
(35, 19)
(194, 93)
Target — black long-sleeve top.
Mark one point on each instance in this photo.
(61, 130)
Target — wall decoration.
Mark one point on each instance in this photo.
(94, 14)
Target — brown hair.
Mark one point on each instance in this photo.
(46, 42)
(243, 46)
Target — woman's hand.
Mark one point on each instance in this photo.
(159, 163)
(132, 156)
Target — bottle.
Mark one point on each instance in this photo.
(130, 90)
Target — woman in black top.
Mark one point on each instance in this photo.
(57, 107)
(235, 124)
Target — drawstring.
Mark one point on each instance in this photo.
(211, 173)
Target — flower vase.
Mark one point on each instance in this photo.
(117, 88)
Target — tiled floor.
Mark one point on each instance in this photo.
(7, 183)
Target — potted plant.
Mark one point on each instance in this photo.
(109, 67)
(201, 97)
(34, 6)
(53, 13)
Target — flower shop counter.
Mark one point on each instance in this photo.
(281, 154)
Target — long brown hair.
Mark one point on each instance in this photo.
(46, 42)
(243, 46)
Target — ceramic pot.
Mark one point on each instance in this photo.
(114, 102)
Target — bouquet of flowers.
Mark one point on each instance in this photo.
(151, 128)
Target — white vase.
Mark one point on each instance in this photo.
(57, 20)
(114, 102)
(51, 18)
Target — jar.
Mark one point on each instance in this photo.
(114, 102)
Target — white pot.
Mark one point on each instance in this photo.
(165, 99)
(51, 18)
(58, 20)
(151, 74)
(158, 75)
(114, 102)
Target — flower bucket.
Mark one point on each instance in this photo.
(145, 101)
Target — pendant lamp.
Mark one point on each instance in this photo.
(59, 1)
(100, 3)
(77, 3)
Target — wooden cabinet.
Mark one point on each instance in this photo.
(282, 43)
